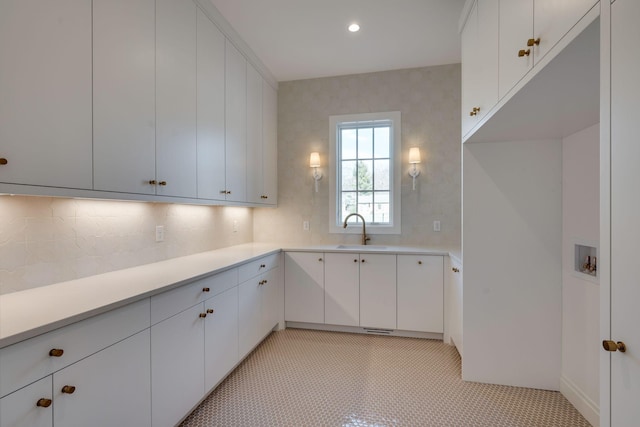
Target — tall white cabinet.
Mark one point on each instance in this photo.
(45, 87)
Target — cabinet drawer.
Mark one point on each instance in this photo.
(172, 302)
(259, 266)
(27, 361)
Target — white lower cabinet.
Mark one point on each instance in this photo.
(342, 289)
(220, 336)
(109, 388)
(258, 305)
(421, 293)
(304, 287)
(29, 406)
(177, 365)
(454, 316)
(378, 291)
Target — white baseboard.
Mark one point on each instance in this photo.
(587, 407)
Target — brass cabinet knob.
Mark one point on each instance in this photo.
(532, 42)
(263, 266)
(153, 182)
(68, 389)
(228, 192)
(44, 403)
(320, 259)
(614, 346)
(355, 260)
(223, 191)
(362, 260)
(3, 161)
(419, 262)
(163, 183)
(523, 52)
(56, 352)
(455, 270)
(210, 310)
(202, 315)
(474, 111)
(264, 197)
(205, 289)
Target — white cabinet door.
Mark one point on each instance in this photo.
(378, 291)
(176, 98)
(479, 63)
(220, 336)
(45, 87)
(269, 144)
(235, 123)
(421, 293)
(177, 366)
(271, 300)
(210, 126)
(124, 87)
(342, 289)
(516, 28)
(553, 19)
(304, 287)
(625, 206)
(27, 407)
(109, 388)
(254, 136)
(250, 315)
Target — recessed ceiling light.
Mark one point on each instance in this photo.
(354, 28)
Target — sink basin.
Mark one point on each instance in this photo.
(361, 247)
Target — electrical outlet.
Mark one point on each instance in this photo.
(305, 225)
(159, 233)
(436, 225)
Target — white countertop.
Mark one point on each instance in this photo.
(380, 249)
(33, 312)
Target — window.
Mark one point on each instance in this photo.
(364, 149)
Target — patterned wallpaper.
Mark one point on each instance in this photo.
(429, 100)
(47, 240)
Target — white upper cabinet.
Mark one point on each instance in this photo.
(254, 136)
(236, 124)
(210, 127)
(516, 28)
(269, 144)
(45, 87)
(553, 19)
(176, 98)
(479, 63)
(124, 129)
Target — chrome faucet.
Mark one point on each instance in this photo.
(364, 226)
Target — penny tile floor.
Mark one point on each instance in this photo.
(314, 378)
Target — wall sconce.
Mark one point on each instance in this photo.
(414, 159)
(314, 162)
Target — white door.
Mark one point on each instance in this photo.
(271, 305)
(304, 287)
(254, 135)
(378, 291)
(235, 123)
(420, 293)
(625, 211)
(250, 315)
(220, 336)
(516, 28)
(28, 407)
(109, 388)
(342, 289)
(269, 144)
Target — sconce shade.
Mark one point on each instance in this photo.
(314, 160)
(414, 155)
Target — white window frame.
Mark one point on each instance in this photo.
(395, 186)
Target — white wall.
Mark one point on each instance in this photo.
(512, 222)
(45, 240)
(580, 297)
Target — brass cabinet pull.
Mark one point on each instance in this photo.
(56, 352)
(523, 52)
(320, 259)
(202, 315)
(455, 270)
(205, 289)
(223, 191)
(153, 182)
(262, 282)
(264, 197)
(210, 310)
(43, 403)
(3, 161)
(419, 262)
(362, 260)
(614, 346)
(68, 389)
(163, 183)
(228, 192)
(355, 260)
(475, 111)
(532, 42)
(263, 266)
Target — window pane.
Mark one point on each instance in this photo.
(365, 143)
(381, 138)
(381, 175)
(365, 206)
(348, 205)
(365, 175)
(349, 175)
(348, 142)
(381, 208)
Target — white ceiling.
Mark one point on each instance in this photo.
(302, 39)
